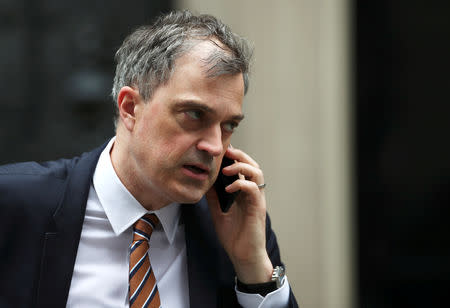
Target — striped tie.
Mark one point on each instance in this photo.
(143, 290)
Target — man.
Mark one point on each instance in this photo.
(78, 233)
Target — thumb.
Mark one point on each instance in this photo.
(213, 203)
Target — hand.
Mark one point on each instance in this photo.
(242, 230)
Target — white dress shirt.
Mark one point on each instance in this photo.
(100, 277)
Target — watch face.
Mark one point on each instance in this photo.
(278, 275)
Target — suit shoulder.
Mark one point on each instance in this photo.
(56, 169)
(31, 185)
(32, 188)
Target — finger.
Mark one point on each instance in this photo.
(213, 202)
(244, 186)
(248, 171)
(241, 156)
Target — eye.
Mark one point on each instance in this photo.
(230, 126)
(194, 114)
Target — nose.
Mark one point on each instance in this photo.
(211, 141)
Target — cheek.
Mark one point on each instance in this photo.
(171, 149)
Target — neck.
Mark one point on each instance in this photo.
(125, 169)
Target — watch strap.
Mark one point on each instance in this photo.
(257, 288)
(264, 288)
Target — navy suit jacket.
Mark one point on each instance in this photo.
(42, 208)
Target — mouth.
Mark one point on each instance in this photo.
(197, 169)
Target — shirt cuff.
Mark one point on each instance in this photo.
(277, 298)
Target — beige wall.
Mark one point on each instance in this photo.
(296, 127)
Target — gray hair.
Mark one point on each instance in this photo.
(147, 56)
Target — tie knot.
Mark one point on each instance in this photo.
(143, 228)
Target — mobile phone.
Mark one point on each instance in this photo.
(222, 181)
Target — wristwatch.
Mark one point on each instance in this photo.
(278, 275)
(277, 280)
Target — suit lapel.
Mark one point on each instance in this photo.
(61, 241)
(211, 275)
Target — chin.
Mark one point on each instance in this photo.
(191, 199)
(190, 195)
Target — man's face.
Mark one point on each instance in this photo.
(182, 132)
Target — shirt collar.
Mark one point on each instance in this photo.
(121, 208)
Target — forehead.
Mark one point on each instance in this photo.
(206, 53)
(191, 77)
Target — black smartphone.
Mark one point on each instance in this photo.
(222, 181)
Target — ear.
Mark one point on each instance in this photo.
(127, 102)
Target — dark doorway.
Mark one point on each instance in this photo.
(402, 110)
(57, 66)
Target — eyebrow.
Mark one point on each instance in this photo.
(205, 108)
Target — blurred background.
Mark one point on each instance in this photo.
(347, 113)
